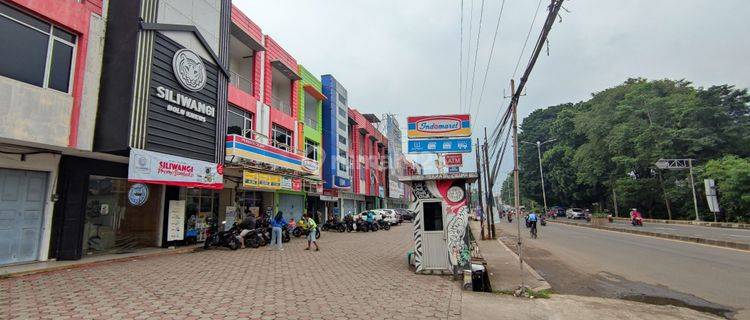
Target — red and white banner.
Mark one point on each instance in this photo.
(454, 160)
(159, 168)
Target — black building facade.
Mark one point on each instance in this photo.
(159, 136)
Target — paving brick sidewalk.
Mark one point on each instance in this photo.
(355, 276)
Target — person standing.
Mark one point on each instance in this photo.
(277, 223)
(313, 233)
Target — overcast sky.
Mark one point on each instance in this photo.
(402, 57)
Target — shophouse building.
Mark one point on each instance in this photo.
(336, 167)
(155, 172)
(49, 84)
(368, 156)
(311, 99)
(398, 193)
(268, 166)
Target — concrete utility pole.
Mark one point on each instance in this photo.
(541, 171)
(479, 184)
(490, 200)
(516, 191)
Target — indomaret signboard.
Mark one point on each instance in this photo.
(440, 126)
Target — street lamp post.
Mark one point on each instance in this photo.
(541, 172)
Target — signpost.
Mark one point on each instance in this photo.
(681, 164)
(462, 145)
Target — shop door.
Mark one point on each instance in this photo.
(348, 207)
(291, 205)
(435, 243)
(21, 211)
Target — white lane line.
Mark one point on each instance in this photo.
(738, 235)
(660, 228)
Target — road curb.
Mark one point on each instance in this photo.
(711, 242)
(526, 266)
(101, 262)
(726, 225)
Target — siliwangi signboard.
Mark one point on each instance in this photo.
(159, 168)
(441, 126)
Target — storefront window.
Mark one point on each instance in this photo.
(200, 205)
(282, 138)
(311, 149)
(114, 225)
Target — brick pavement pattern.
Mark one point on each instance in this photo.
(354, 276)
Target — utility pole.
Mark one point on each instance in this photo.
(666, 199)
(490, 200)
(614, 199)
(480, 205)
(516, 192)
(538, 145)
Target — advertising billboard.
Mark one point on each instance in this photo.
(461, 145)
(439, 126)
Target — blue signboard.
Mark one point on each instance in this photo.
(454, 169)
(462, 145)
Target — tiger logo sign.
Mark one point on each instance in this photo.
(189, 70)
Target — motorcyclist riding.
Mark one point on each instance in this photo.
(635, 217)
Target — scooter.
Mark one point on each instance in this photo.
(254, 239)
(304, 231)
(216, 238)
(382, 224)
(637, 222)
(543, 221)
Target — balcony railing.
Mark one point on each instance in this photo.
(282, 105)
(311, 122)
(241, 82)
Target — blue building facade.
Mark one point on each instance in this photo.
(336, 170)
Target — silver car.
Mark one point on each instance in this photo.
(575, 213)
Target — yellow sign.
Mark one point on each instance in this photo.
(261, 180)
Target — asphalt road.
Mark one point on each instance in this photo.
(714, 233)
(586, 261)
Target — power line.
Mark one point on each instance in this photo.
(531, 27)
(476, 56)
(461, 59)
(489, 60)
(471, 25)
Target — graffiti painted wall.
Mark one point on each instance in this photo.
(453, 195)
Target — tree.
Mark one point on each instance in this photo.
(732, 176)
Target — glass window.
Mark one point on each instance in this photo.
(342, 167)
(33, 51)
(239, 122)
(342, 126)
(342, 99)
(433, 216)
(342, 139)
(200, 204)
(342, 153)
(342, 112)
(311, 111)
(282, 137)
(311, 149)
(59, 74)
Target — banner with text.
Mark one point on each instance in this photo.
(159, 168)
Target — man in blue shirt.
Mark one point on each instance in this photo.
(532, 221)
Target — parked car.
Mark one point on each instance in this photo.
(407, 215)
(389, 215)
(556, 212)
(575, 213)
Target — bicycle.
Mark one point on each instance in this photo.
(533, 230)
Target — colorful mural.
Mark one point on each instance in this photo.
(453, 195)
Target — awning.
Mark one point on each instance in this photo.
(314, 92)
(289, 73)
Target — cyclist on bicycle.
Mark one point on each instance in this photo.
(532, 218)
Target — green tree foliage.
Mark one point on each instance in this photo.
(732, 176)
(621, 132)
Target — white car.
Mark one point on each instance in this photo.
(389, 215)
(575, 213)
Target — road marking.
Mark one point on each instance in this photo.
(738, 235)
(660, 228)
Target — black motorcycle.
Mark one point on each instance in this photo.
(382, 224)
(335, 225)
(255, 238)
(216, 238)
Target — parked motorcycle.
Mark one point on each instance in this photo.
(304, 231)
(382, 224)
(336, 225)
(216, 238)
(255, 238)
(543, 221)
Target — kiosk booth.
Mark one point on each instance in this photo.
(441, 244)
